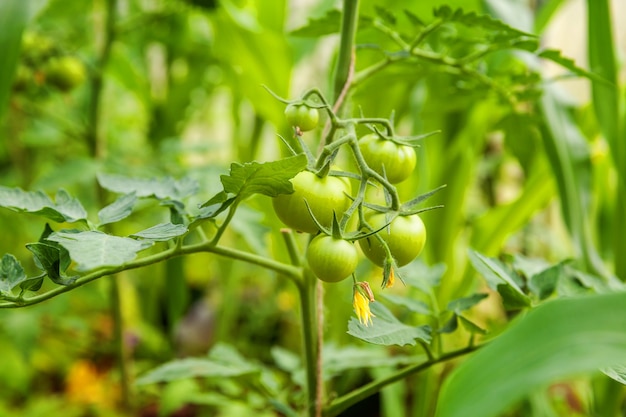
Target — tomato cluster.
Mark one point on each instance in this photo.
(388, 233)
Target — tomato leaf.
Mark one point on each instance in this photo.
(162, 232)
(474, 20)
(53, 259)
(471, 327)
(494, 272)
(554, 55)
(386, 330)
(160, 188)
(92, 250)
(11, 274)
(269, 178)
(557, 339)
(617, 372)
(66, 208)
(118, 210)
(465, 303)
(545, 282)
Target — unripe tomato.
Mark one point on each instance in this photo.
(65, 73)
(399, 160)
(324, 195)
(330, 259)
(405, 236)
(302, 116)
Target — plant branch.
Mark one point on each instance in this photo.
(345, 401)
(289, 271)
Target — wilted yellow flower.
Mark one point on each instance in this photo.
(391, 280)
(361, 301)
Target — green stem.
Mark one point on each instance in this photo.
(220, 231)
(343, 402)
(289, 271)
(346, 47)
(307, 295)
(118, 336)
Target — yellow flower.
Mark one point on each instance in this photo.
(361, 301)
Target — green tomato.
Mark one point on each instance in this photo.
(398, 160)
(324, 195)
(405, 236)
(65, 73)
(302, 116)
(330, 259)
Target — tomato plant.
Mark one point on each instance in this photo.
(405, 236)
(302, 116)
(331, 259)
(323, 195)
(383, 155)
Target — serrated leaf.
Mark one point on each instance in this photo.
(413, 18)
(92, 250)
(223, 362)
(416, 306)
(269, 178)
(118, 210)
(162, 232)
(216, 204)
(160, 188)
(554, 341)
(492, 271)
(385, 15)
(11, 274)
(66, 208)
(32, 283)
(53, 259)
(465, 303)
(545, 282)
(554, 55)
(474, 20)
(386, 330)
(471, 327)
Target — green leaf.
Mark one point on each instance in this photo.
(66, 208)
(416, 306)
(493, 272)
(162, 232)
(387, 330)
(474, 20)
(465, 303)
(11, 274)
(557, 339)
(13, 19)
(471, 327)
(222, 362)
(118, 210)
(160, 188)
(92, 250)
(617, 372)
(338, 360)
(451, 325)
(53, 259)
(545, 282)
(423, 277)
(554, 55)
(269, 178)
(511, 298)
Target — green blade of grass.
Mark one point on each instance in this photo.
(602, 61)
(552, 342)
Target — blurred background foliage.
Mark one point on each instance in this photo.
(174, 88)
